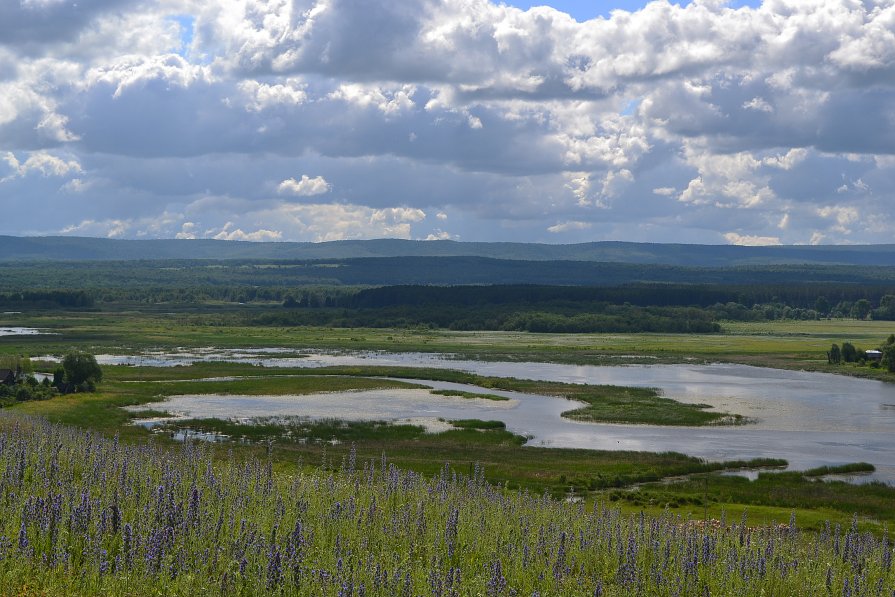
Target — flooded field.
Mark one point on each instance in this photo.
(811, 419)
(19, 331)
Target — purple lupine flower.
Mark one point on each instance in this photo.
(451, 530)
(127, 545)
(103, 562)
(274, 567)
(23, 536)
(559, 564)
(497, 583)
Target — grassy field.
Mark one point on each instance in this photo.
(785, 344)
(81, 514)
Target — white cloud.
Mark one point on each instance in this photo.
(388, 101)
(110, 228)
(41, 162)
(439, 234)
(187, 231)
(843, 217)
(306, 187)
(261, 96)
(665, 191)
(76, 185)
(131, 72)
(758, 103)
(568, 225)
(325, 222)
(230, 232)
(751, 241)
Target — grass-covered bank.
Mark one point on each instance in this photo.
(84, 515)
(781, 344)
(804, 490)
(468, 444)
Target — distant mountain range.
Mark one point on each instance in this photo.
(67, 248)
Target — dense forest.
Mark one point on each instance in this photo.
(579, 296)
(112, 275)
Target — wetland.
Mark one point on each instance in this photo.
(655, 411)
(815, 419)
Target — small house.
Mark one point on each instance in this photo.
(7, 377)
(873, 355)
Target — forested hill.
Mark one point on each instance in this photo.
(66, 248)
(389, 271)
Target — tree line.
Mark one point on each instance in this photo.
(78, 372)
(849, 353)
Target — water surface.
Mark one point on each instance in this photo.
(810, 419)
(18, 331)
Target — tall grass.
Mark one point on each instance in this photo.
(83, 514)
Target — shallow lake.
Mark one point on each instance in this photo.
(810, 419)
(17, 331)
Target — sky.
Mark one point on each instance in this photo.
(715, 122)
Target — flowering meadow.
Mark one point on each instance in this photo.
(83, 514)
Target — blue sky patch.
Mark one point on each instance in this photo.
(187, 31)
(583, 10)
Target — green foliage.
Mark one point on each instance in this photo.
(25, 391)
(789, 489)
(477, 424)
(888, 360)
(844, 469)
(81, 370)
(861, 309)
(834, 357)
(886, 310)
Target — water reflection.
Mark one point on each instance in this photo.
(811, 419)
(807, 444)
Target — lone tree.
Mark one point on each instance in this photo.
(81, 370)
(834, 357)
(888, 360)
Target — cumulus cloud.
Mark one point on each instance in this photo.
(439, 234)
(326, 222)
(570, 225)
(306, 187)
(106, 228)
(41, 162)
(669, 123)
(751, 241)
(230, 232)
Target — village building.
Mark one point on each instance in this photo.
(7, 377)
(873, 355)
